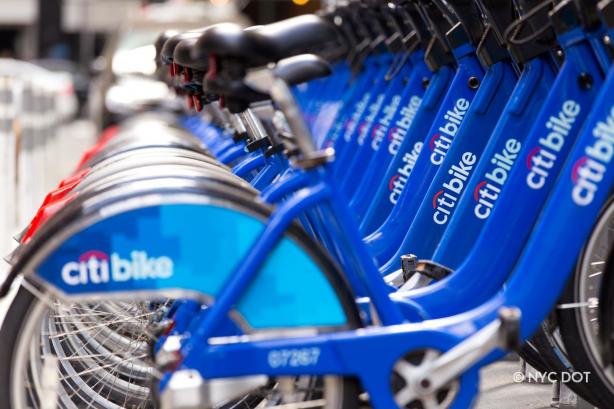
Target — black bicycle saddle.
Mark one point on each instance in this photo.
(238, 93)
(294, 36)
(168, 49)
(301, 68)
(183, 55)
(227, 40)
(259, 45)
(161, 40)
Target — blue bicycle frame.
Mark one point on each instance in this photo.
(570, 211)
(449, 183)
(546, 148)
(405, 147)
(501, 154)
(383, 105)
(386, 240)
(390, 131)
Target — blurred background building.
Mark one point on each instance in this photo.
(97, 40)
(76, 29)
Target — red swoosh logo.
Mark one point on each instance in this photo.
(392, 180)
(433, 139)
(361, 127)
(530, 157)
(93, 253)
(391, 133)
(477, 189)
(375, 130)
(436, 197)
(574, 171)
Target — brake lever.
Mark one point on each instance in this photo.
(498, 16)
(411, 18)
(438, 51)
(469, 28)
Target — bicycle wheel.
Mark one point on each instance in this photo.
(82, 355)
(549, 346)
(96, 354)
(578, 312)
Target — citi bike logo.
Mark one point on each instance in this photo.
(441, 141)
(372, 113)
(96, 267)
(588, 171)
(398, 180)
(543, 157)
(487, 191)
(445, 200)
(361, 106)
(398, 131)
(379, 130)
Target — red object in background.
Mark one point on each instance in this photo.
(173, 69)
(75, 176)
(105, 137)
(43, 214)
(59, 197)
(187, 75)
(59, 193)
(197, 105)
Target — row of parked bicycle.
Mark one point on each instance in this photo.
(363, 208)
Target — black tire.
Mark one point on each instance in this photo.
(19, 308)
(579, 325)
(530, 353)
(556, 359)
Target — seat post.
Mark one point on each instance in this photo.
(253, 124)
(283, 98)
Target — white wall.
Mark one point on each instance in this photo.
(18, 12)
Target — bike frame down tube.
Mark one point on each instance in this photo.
(277, 164)
(355, 86)
(380, 108)
(388, 134)
(493, 256)
(508, 138)
(349, 116)
(252, 162)
(404, 155)
(331, 103)
(368, 109)
(386, 240)
(450, 182)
